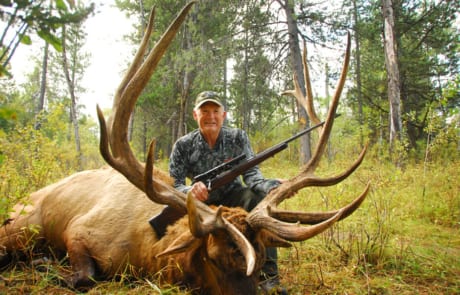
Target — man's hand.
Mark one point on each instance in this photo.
(199, 191)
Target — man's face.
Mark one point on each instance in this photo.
(210, 118)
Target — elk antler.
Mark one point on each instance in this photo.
(114, 145)
(116, 151)
(266, 215)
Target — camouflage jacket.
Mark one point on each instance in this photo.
(191, 156)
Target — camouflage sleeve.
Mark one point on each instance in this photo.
(253, 178)
(178, 168)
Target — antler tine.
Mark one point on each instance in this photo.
(137, 61)
(266, 215)
(320, 221)
(305, 101)
(139, 73)
(327, 127)
(308, 105)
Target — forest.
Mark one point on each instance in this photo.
(401, 98)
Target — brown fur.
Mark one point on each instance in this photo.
(101, 220)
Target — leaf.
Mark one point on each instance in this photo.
(4, 72)
(51, 39)
(60, 5)
(71, 3)
(25, 39)
(21, 4)
(7, 3)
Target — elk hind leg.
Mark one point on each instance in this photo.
(83, 266)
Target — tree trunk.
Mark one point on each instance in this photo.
(245, 103)
(359, 95)
(70, 79)
(187, 82)
(41, 98)
(296, 62)
(391, 62)
(179, 120)
(184, 97)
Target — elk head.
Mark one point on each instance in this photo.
(272, 226)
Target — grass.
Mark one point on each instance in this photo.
(404, 239)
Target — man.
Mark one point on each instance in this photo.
(205, 148)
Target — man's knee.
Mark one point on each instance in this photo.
(245, 198)
(251, 199)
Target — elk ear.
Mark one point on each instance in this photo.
(270, 239)
(181, 245)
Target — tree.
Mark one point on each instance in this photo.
(296, 64)
(261, 40)
(428, 61)
(189, 66)
(71, 66)
(356, 28)
(41, 97)
(391, 63)
(253, 100)
(38, 17)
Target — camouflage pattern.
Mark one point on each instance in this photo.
(191, 156)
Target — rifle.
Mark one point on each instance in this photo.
(214, 172)
(219, 175)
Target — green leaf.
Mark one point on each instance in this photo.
(51, 39)
(4, 72)
(60, 5)
(25, 39)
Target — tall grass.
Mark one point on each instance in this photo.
(404, 239)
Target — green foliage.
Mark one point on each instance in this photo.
(443, 140)
(391, 244)
(41, 18)
(405, 229)
(30, 162)
(428, 62)
(31, 159)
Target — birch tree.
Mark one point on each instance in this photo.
(392, 67)
(296, 63)
(73, 64)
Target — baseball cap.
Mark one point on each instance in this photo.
(207, 96)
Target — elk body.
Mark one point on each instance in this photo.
(100, 217)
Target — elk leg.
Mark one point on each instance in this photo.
(83, 266)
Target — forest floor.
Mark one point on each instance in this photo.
(404, 239)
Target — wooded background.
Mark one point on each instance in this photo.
(402, 97)
(402, 93)
(402, 90)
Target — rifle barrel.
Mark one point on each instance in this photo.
(227, 176)
(307, 130)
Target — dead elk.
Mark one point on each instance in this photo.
(100, 217)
